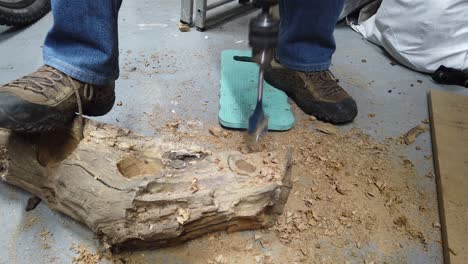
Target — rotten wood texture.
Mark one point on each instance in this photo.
(135, 191)
(449, 126)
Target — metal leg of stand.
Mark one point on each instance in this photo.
(200, 16)
(186, 12)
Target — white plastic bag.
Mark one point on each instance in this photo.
(421, 34)
(351, 6)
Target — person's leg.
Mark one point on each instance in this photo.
(306, 46)
(306, 41)
(81, 57)
(83, 40)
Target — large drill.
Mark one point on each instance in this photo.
(263, 38)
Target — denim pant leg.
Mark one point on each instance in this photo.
(306, 41)
(83, 41)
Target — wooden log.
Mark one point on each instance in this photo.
(135, 191)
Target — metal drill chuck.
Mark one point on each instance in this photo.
(263, 38)
(264, 30)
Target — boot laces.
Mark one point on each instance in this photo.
(326, 80)
(88, 93)
(41, 80)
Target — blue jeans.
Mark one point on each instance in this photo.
(306, 41)
(83, 40)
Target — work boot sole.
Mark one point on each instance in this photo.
(46, 118)
(325, 111)
(332, 112)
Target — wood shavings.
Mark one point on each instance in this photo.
(429, 175)
(326, 128)
(86, 257)
(30, 221)
(44, 233)
(219, 132)
(343, 190)
(184, 215)
(173, 125)
(380, 183)
(413, 133)
(257, 237)
(44, 236)
(220, 259)
(194, 187)
(248, 247)
(453, 252)
(183, 27)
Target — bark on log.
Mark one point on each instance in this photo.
(135, 191)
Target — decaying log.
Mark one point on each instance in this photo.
(137, 191)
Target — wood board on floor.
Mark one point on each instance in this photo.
(449, 126)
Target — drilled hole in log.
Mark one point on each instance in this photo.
(55, 146)
(184, 155)
(133, 166)
(245, 166)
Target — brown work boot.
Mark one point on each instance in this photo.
(316, 93)
(48, 99)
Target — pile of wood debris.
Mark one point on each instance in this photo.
(351, 196)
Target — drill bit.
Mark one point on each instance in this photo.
(258, 122)
(263, 38)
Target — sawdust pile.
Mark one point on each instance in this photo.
(351, 196)
(85, 256)
(349, 191)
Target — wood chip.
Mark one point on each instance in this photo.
(413, 133)
(452, 251)
(342, 189)
(326, 128)
(248, 247)
(184, 27)
(303, 251)
(220, 259)
(184, 215)
(194, 187)
(219, 132)
(44, 233)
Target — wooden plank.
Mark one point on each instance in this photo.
(449, 126)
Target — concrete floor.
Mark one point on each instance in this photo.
(184, 85)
